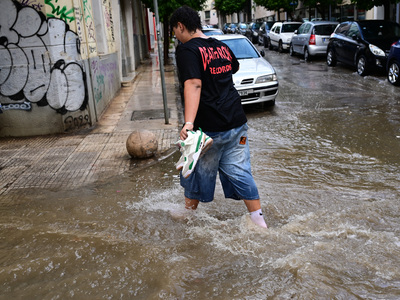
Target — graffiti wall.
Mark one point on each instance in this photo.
(45, 47)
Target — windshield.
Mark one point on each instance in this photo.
(241, 48)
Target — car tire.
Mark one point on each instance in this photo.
(393, 73)
(291, 51)
(307, 56)
(280, 47)
(362, 68)
(331, 58)
(270, 47)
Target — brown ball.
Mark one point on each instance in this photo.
(142, 144)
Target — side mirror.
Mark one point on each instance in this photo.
(295, 32)
(262, 53)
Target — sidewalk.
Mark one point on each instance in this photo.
(69, 160)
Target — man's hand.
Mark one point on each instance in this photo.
(183, 135)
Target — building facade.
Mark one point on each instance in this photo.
(63, 61)
(345, 11)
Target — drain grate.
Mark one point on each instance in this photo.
(149, 114)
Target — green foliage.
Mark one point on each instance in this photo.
(368, 4)
(167, 7)
(228, 7)
(322, 3)
(286, 5)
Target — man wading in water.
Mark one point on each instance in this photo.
(213, 105)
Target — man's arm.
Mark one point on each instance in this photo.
(192, 91)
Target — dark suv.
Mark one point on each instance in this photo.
(252, 31)
(362, 44)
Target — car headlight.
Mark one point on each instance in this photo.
(376, 50)
(266, 78)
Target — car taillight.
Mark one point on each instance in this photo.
(312, 40)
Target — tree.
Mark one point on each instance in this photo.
(165, 10)
(369, 4)
(322, 5)
(228, 7)
(278, 5)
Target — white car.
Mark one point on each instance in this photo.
(281, 34)
(256, 80)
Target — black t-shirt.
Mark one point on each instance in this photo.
(212, 61)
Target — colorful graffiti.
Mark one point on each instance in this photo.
(40, 59)
(59, 12)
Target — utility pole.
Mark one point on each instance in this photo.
(161, 60)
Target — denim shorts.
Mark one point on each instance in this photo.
(230, 156)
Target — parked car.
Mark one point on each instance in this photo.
(362, 44)
(393, 64)
(225, 27)
(312, 38)
(264, 32)
(252, 31)
(241, 28)
(256, 80)
(212, 31)
(281, 34)
(232, 28)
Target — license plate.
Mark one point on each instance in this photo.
(243, 93)
(325, 40)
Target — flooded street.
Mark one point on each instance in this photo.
(327, 163)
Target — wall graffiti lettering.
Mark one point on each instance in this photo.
(109, 19)
(33, 4)
(59, 12)
(71, 123)
(17, 106)
(40, 59)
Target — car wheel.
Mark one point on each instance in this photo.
(270, 47)
(280, 47)
(307, 56)
(331, 58)
(291, 51)
(362, 65)
(393, 73)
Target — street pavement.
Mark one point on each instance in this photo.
(79, 158)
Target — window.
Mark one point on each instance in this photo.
(307, 28)
(207, 14)
(324, 29)
(301, 29)
(353, 31)
(342, 28)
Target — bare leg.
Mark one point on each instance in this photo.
(252, 205)
(191, 203)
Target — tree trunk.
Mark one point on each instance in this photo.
(387, 9)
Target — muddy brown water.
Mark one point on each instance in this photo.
(326, 160)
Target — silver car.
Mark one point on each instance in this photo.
(256, 80)
(312, 39)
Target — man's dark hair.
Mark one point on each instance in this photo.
(187, 16)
